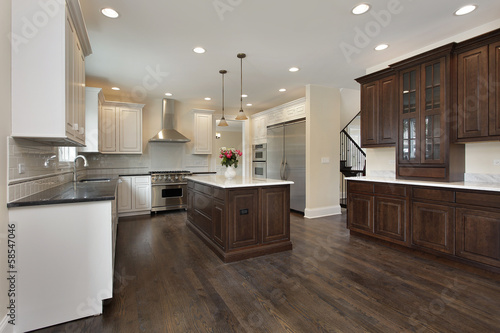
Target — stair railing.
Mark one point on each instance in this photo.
(352, 161)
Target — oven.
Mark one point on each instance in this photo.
(259, 169)
(259, 152)
(168, 190)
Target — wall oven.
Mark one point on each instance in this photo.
(259, 169)
(259, 152)
(168, 190)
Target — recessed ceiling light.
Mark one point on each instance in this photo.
(360, 9)
(115, 88)
(199, 50)
(381, 47)
(465, 10)
(282, 90)
(249, 104)
(294, 69)
(168, 94)
(109, 12)
(244, 95)
(208, 99)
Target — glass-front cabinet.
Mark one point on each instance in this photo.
(423, 149)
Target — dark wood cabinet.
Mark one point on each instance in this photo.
(243, 218)
(478, 79)
(478, 235)
(432, 227)
(378, 109)
(378, 209)
(240, 223)
(463, 225)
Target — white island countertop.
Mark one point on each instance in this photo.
(479, 186)
(223, 182)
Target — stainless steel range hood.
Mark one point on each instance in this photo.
(167, 133)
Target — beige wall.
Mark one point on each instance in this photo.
(350, 105)
(5, 130)
(322, 141)
(480, 157)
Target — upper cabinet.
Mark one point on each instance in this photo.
(203, 131)
(379, 109)
(49, 64)
(94, 99)
(478, 93)
(120, 128)
(259, 129)
(424, 149)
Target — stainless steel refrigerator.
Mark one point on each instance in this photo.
(286, 159)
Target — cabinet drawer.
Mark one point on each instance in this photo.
(438, 173)
(143, 180)
(203, 188)
(433, 194)
(390, 189)
(219, 193)
(479, 199)
(360, 187)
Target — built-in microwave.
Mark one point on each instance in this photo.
(259, 169)
(259, 152)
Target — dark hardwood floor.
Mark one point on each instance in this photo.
(167, 280)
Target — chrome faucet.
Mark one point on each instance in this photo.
(85, 164)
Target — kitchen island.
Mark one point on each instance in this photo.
(240, 218)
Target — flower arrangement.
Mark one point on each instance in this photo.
(229, 156)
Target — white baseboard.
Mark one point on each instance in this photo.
(312, 213)
(5, 327)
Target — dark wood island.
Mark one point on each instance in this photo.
(240, 218)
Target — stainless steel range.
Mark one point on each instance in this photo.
(168, 190)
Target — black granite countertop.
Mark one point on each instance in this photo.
(71, 193)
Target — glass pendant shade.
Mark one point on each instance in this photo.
(223, 121)
(241, 114)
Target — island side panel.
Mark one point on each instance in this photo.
(275, 214)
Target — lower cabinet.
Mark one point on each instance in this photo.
(134, 195)
(460, 224)
(240, 223)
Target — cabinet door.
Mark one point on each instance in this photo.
(70, 77)
(369, 113)
(433, 227)
(243, 218)
(360, 212)
(142, 193)
(130, 130)
(387, 111)
(472, 93)
(125, 194)
(409, 116)
(219, 223)
(202, 213)
(390, 218)
(494, 92)
(80, 85)
(432, 112)
(202, 133)
(478, 236)
(107, 129)
(275, 214)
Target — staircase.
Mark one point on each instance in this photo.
(352, 157)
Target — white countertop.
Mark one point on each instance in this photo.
(457, 185)
(223, 182)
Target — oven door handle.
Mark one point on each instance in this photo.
(168, 184)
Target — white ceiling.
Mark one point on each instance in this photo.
(159, 35)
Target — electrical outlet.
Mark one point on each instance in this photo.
(20, 168)
(496, 162)
(325, 160)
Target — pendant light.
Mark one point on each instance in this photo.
(241, 114)
(223, 121)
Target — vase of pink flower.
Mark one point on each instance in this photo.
(229, 158)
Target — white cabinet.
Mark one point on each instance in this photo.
(259, 129)
(48, 73)
(134, 195)
(203, 131)
(93, 103)
(64, 262)
(120, 128)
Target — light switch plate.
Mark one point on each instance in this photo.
(496, 162)
(325, 160)
(20, 168)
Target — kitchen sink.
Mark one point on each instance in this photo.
(95, 180)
